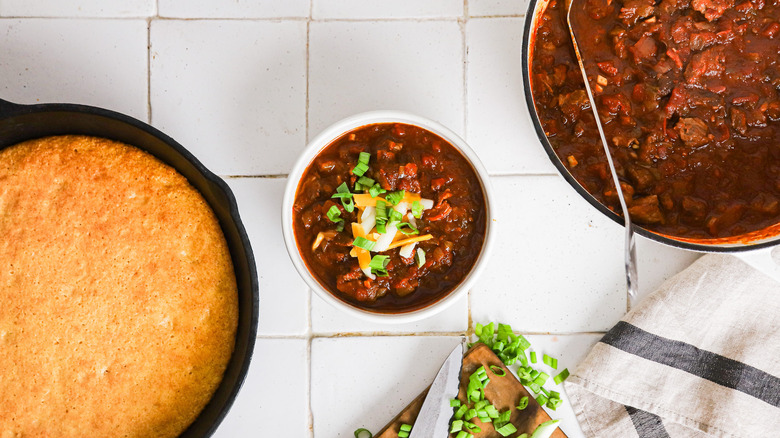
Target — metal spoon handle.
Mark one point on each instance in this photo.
(630, 244)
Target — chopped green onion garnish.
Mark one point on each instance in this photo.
(497, 370)
(471, 413)
(461, 411)
(381, 209)
(555, 394)
(342, 192)
(541, 399)
(472, 427)
(362, 242)
(406, 427)
(419, 257)
(455, 403)
(402, 227)
(417, 209)
(481, 404)
(507, 429)
(504, 417)
(523, 403)
(376, 190)
(360, 169)
(364, 183)
(541, 379)
(561, 376)
(334, 214)
(464, 434)
(533, 357)
(553, 403)
(395, 217)
(550, 361)
(492, 411)
(378, 265)
(340, 226)
(395, 197)
(364, 157)
(363, 433)
(457, 425)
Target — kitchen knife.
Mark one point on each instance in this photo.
(433, 421)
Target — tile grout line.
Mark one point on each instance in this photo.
(149, 70)
(464, 53)
(310, 323)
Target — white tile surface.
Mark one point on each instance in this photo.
(273, 401)
(557, 263)
(497, 7)
(234, 9)
(92, 62)
(499, 125)
(401, 65)
(365, 382)
(327, 320)
(77, 8)
(233, 92)
(384, 9)
(284, 297)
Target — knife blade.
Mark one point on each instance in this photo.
(434, 418)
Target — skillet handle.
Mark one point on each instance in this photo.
(765, 260)
(8, 109)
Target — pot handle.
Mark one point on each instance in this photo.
(765, 260)
(8, 109)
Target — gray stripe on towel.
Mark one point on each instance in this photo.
(647, 425)
(701, 363)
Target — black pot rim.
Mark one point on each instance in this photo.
(564, 172)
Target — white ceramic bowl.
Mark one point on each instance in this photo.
(324, 139)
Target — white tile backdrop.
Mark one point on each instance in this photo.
(244, 84)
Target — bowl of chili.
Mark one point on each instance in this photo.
(387, 216)
(689, 94)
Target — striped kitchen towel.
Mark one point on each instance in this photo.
(700, 357)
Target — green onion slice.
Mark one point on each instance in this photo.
(342, 192)
(497, 370)
(523, 403)
(334, 214)
(376, 190)
(362, 242)
(378, 265)
(363, 433)
(395, 197)
(457, 425)
(419, 257)
(402, 227)
(417, 209)
(360, 169)
(533, 357)
(406, 427)
(561, 376)
(507, 429)
(364, 157)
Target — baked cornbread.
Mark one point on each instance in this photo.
(118, 299)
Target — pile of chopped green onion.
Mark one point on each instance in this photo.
(511, 348)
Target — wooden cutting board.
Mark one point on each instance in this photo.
(503, 392)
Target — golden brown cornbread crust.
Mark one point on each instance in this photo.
(118, 299)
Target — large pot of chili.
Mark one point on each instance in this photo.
(689, 95)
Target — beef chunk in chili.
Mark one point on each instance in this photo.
(689, 95)
(402, 158)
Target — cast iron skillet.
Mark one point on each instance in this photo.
(24, 122)
(769, 240)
